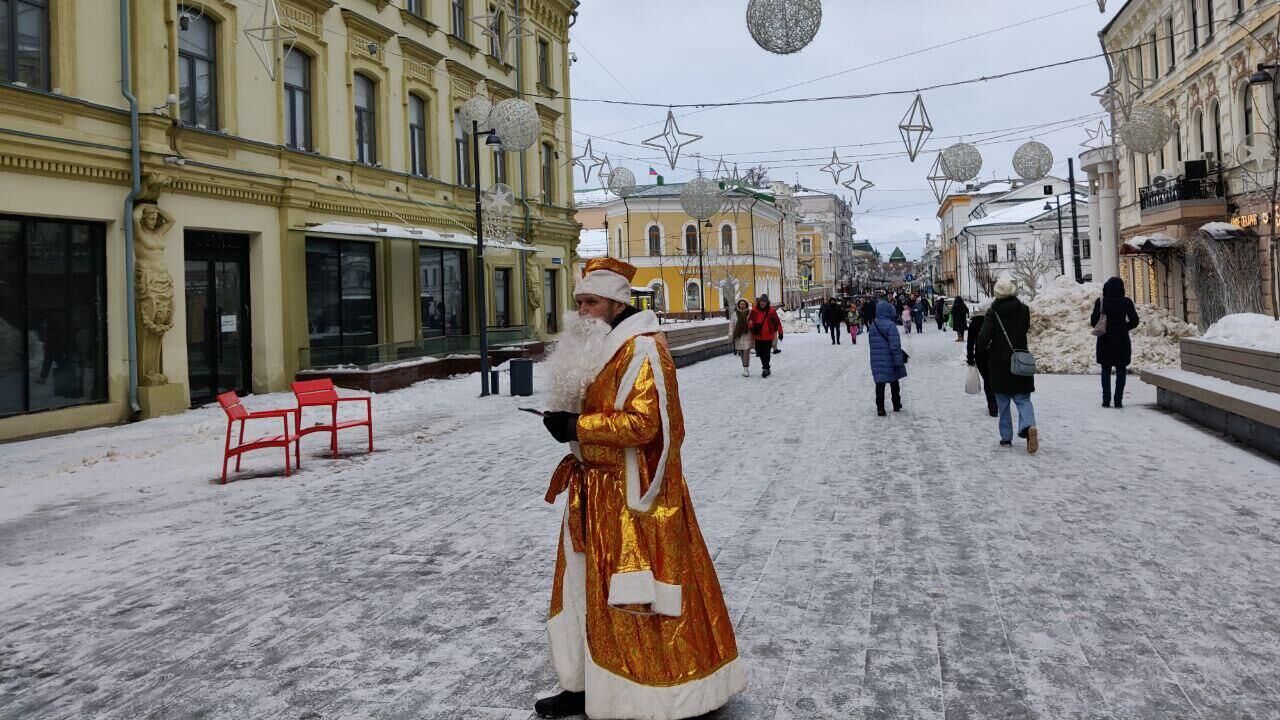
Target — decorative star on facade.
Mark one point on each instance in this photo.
(588, 168)
(1101, 136)
(671, 142)
(858, 184)
(271, 30)
(835, 167)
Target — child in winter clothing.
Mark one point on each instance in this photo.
(853, 330)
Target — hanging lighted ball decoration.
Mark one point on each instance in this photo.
(961, 162)
(1147, 129)
(622, 182)
(701, 198)
(516, 122)
(1032, 160)
(784, 27)
(477, 109)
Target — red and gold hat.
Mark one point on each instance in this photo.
(607, 277)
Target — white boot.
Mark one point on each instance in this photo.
(746, 372)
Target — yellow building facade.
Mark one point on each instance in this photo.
(303, 195)
(735, 254)
(816, 261)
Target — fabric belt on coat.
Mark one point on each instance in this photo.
(570, 475)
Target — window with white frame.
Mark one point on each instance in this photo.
(692, 296)
(726, 239)
(417, 136)
(366, 120)
(1011, 251)
(197, 71)
(690, 240)
(655, 240)
(297, 100)
(993, 253)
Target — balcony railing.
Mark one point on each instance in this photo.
(1181, 190)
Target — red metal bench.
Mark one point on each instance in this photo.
(236, 412)
(321, 393)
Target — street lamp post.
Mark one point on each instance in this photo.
(1266, 76)
(1075, 228)
(481, 309)
(1062, 257)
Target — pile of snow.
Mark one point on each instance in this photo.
(1063, 342)
(1249, 330)
(794, 322)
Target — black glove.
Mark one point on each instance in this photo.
(972, 362)
(563, 426)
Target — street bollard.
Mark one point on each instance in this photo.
(493, 382)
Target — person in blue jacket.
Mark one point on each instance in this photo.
(888, 366)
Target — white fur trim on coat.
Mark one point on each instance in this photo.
(646, 350)
(611, 697)
(631, 588)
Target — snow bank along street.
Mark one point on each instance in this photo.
(875, 567)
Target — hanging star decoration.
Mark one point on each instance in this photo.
(1122, 89)
(500, 38)
(499, 199)
(915, 127)
(722, 171)
(1254, 155)
(939, 183)
(858, 184)
(588, 168)
(272, 30)
(671, 142)
(1097, 139)
(835, 167)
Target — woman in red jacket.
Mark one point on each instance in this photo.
(765, 327)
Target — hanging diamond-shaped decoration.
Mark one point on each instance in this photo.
(915, 127)
(605, 172)
(939, 183)
(835, 167)
(858, 184)
(271, 30)
(671, 142)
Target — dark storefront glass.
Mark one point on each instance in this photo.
(52, 315)
(502, 297)
(444, 291)
(551, 300)
(342, 310)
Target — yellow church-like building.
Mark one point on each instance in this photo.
(200, 196)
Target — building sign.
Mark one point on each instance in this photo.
(1248, 220)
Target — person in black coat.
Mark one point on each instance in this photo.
(959, 318)
(1003, 331)
(1115, 350)
(833, 318)
(868, 313)
(940, 311)
(979, 358)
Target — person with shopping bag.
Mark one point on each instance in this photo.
(979, 380)
(1012, 372)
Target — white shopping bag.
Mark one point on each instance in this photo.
(973, 383)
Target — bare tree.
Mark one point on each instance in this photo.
(983, 276)
(756, 177)
(1029, 268)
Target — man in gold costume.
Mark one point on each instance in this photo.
(638, 627)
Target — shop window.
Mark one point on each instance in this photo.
(342, 307)
(24, 43)
(53, 299)
(198, 70)
(551, 299)
(444, 291)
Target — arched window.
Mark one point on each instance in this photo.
(297, 100)
(659, 299)
(198, 70)
(1217, 131)
(1246, 113)
(1197, 127)
(417, 136)
(655, 240)
(366, 126)
(690, 240)
(1177, 144)
(726, 239)
(692, 296)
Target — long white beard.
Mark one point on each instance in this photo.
(576, 360)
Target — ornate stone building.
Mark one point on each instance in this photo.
(302, 188)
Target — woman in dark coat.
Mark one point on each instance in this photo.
(1115, 350)
(867, 313)
(1009, 317)
(887, 363)
(959, 318)
(979, 359)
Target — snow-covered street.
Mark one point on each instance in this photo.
(898, 567)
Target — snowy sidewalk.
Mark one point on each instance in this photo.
(875, 567)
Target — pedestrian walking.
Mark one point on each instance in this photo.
(833, 317)
(853, 322)
(959, 318)
(918, 310)
(766, 328)
(979, 358)
(638, 626)
(1005, 330)
(940, 312)
(867, 313)
(888, 361)
(740, 335)
(905, 315)
(1113, 318)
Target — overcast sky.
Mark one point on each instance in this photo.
(679, 51)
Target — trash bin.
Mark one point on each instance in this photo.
(521, 377)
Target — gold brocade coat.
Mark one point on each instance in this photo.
(637, 618)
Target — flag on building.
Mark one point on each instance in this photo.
(652, 171)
